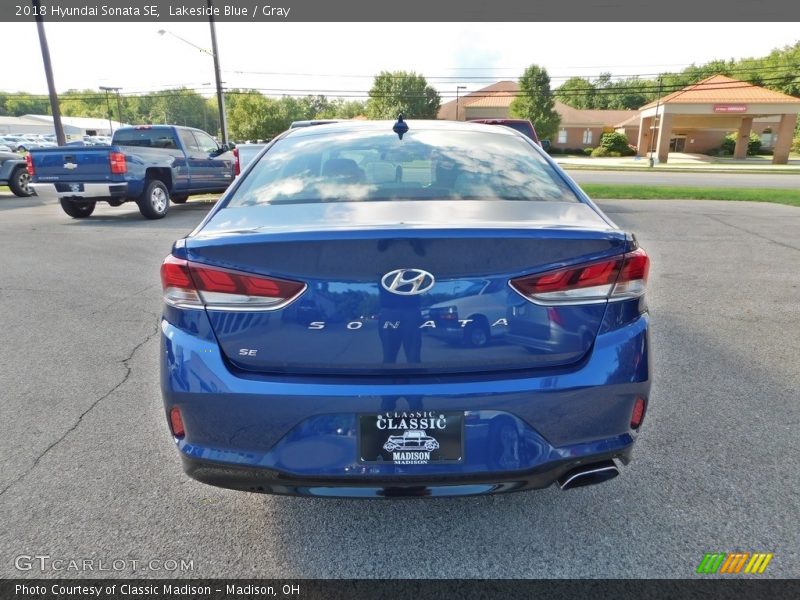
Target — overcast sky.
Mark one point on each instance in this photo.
(341, 58)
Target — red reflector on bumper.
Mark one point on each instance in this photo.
(176, 422)
(637, 416)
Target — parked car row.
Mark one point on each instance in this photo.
(25, 142)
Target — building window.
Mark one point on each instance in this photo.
(587, 136)
(562, 136)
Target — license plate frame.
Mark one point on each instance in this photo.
(411, 437)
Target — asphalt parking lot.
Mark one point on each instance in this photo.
(89, 470)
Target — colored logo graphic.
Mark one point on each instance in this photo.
(735, 562)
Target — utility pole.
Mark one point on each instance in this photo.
(119, 107)
(458, 89)
(48, 71)
(108, 104)
(223, 125)
(655, 120)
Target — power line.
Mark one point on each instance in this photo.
(494, 77)
(643, 89)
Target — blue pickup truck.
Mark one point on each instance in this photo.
(151, 165)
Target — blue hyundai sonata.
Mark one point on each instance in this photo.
(382, 309)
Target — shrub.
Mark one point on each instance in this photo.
(553, 150)
(587, 151)
(796, 143)
(600, 151)
(729, 144)
(616, 142)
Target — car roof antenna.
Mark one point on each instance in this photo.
(401, 127)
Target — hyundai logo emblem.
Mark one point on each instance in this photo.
(407, 282)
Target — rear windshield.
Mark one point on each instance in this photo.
(350, 166)
(523, 128)
(150, 138)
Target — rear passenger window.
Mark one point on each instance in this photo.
(145, 138)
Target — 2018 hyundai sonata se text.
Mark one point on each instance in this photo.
(299, 352)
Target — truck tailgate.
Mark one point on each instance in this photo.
(78, 164)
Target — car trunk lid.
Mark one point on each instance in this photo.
(350, 318)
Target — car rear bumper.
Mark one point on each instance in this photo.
(90, 191)
(300, 435)
(270, 481)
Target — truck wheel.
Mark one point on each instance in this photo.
(18, 182)
(179, 199)
(154, 201)
(77, 210)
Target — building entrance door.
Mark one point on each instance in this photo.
(677, 143)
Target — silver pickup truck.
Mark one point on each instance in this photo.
(14, 174)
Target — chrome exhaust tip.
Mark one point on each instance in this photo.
(588, 475)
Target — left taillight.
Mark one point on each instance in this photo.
(29, 164)
(619, 278)
(237, 166)
(118, 164)
(189, 284)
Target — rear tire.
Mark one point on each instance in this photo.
(77, 210)
(154, 201)
(18, 183)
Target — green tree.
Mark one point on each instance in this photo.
(402, 92)
(179, 106)
(349, 109)
(577, 92)
(252, 116)
(616, 144)
(339, 108)
(313, 106)
(21, 103)
(728, 144)
(536, 102)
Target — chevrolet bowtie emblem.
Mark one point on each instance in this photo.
(70, 165)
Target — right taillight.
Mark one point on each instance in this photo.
(618, 278)
(118, 164)
(189, 284)
(237, 167)
(29, 164)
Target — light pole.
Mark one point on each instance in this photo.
(108, 106)
(458, 89)
(214, 53)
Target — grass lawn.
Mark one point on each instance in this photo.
(669, 192)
